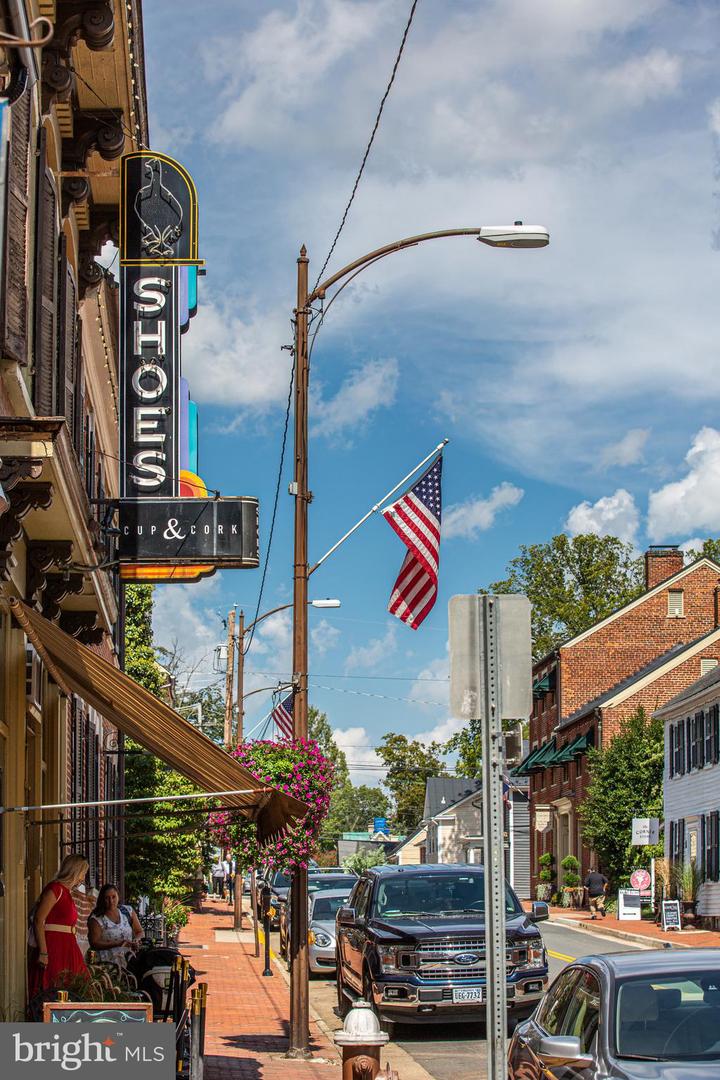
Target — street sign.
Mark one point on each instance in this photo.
(640, 879)
(645, 831)
(222, 532)
(629, 904)
(468, 648)
(670, 915)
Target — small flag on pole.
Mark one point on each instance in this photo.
(282, 716)
(415, 517)
(506, 794)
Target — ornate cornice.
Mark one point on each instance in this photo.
(41, 555)
(57, 587)
(24, 497)
(83, 626)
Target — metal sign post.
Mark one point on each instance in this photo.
(490, 681)
(493, 844)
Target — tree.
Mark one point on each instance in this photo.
(709, 548)
(364, 860)
(409, 765)
(626, 781)
(572, 583)
(212, 703)
(353, 808)
(163, 844)
(320, 731)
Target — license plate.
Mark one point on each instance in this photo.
(471, 994)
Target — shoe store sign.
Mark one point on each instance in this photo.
(166, 519)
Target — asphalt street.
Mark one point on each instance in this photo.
(457, 1051)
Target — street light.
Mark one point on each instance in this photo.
(497, 236)
(242, 631)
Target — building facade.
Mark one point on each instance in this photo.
(640, 656)
(69, 111)
(691, 788)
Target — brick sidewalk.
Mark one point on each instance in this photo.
(247, 1020)
(643, 928)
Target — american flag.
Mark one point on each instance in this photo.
(415, 517)
(282, 717)
(506, 794)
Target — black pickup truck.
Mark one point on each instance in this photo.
(411, 941)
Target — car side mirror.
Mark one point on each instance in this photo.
(346, 916)
(540, 911)
(559, 1050)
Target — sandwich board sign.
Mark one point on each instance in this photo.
(670, 914)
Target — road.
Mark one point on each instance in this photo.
(457, 1051)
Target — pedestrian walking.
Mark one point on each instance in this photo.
(597, 885)
(229, 867)
(218, 877)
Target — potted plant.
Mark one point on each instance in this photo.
(686, 880)
(544, 890)
(176, 916)
(572, 894)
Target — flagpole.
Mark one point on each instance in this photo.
(438, 450)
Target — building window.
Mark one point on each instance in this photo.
(676, 603)
(707, 665)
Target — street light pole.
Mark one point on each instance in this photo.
(299, 988)
(505, 236)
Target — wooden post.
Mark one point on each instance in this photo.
(230, 671)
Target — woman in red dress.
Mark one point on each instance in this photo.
(58, 958)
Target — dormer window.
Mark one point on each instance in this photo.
(676, 604)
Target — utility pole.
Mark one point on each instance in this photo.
(299, 988)
(229, 672)
(240, 679)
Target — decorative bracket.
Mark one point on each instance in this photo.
(57, 587)
(93, 23)
(24, 497)
(41, 555)
(83, 626)
(15, 469)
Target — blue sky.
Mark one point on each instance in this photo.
(578, 385)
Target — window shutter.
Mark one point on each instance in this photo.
(15, 306)
(671, 751)
(700, 738)
(680, 737)
(714, 863)
(671, 841)
(46, 390)
(688, 743)
(703, 847)
(681, 839)
(68, 366)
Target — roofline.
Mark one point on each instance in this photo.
(706, 694)
(646, 680)
(704, 560)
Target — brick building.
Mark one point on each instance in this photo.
(642, 655)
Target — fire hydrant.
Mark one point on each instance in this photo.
(361, 1039)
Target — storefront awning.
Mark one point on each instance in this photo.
(536, 759)
(157, 727)
(574, 748)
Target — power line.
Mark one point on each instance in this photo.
(133, 135)
(370, 143)
(383, 697)
(375, 678)
(274, 513)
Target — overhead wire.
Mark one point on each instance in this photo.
(128, 131)
(371, 140)
(274, 511)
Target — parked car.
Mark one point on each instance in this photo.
(411, 941)
(317, 882)
(279, 883)
(631, 1016)
(323, 906)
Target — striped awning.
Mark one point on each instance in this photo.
(156, 726)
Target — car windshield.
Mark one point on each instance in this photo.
(325, 908)
(436, 895)
(324, 882)
(281, 881)
(669, 1017)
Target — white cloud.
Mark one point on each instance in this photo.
(236, 361)
(366, 389)
(693, 502)
(612, 515)
(626, 451)
(643, 78)
(441, 731)
(689, 546)
(476, 514)
(358, 747)
(187, 615)
(369, 656)
(324, 637)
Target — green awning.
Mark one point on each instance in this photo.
(544, 685)
(574, 748)
(535, 759)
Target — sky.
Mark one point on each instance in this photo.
(578, 385)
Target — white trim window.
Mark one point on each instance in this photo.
(676, 604)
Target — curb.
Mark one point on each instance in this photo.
(622, 935)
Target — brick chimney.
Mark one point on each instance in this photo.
(661, 562)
